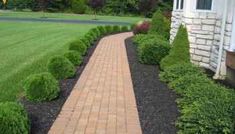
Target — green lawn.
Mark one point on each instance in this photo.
(25, 49)
(69, 16)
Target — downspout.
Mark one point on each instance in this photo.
(222, 32)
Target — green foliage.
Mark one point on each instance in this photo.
(124, 28)
(141, 38)
(102, 30)
(160, 25)
(86, 41)
(60, 67)
(109, 29)
(79, 6)
(177, 71)
(74, 57)
(206, 108)
(79, 46)
(41, 87)
(13, 119)
(180, 51)
(152, 51)
(116, 29)
(89, 38)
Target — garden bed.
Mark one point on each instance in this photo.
(156, 104)
(42, 115)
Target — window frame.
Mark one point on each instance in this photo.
(178, 5)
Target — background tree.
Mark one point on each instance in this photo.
(79, 6)
(147, 7)
(96, 5)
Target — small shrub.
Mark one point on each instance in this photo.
(13, 119)
(60, 67)
(86, 41)
(109, 29)
(180, 50)
(152, 51)
(141, 38)
(206, 108)
(41, 87)
(177, 71)
(102, 30)
(116, 29)
(74, 57)
(79, 46)
(89, 38)
(160, 24)
(96, 33)
(142, 28)
(124, 28)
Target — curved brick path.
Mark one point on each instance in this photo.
(102, 101)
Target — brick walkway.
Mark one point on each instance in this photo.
(102, 101)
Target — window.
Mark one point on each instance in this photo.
(204, 4)
(179, 4)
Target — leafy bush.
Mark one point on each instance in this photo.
(142, 28)
(160, 25)
(109, 29)
(95, 32)
(41, 87)
(152, 51)
(74, 57)
(177, 71)
(206, 108)
(13, 119)
(89, 38)
(79, 6)
(141, 38)
(102, 30)
(86, 41)
(124, 28)
(79, 46)
(60, 67)
(180, 50)
(116, 29)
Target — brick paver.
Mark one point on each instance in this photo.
(102, 101)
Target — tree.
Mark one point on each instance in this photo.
(146, 7)
(96, 5)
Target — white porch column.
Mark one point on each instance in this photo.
(232, 47)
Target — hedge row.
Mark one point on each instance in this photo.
(205, 106)
(45, 86)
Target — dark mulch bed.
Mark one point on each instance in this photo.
(42, 115)
(155, 101)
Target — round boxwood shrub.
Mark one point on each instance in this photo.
(13, 119)
(102, 30)
(79, 46)
(60, 67)
(124, 28)
(86, 42)
(89, 38)
(41, 87)
(109, 29)
(153, 51)
(74, 57)
(116, 29)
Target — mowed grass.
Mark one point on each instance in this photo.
(70, 16)
(25, 49)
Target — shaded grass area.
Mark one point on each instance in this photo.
(25, 49)
(70, 16)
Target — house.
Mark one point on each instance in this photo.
(211, 31)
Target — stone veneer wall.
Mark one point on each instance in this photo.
(204, 35)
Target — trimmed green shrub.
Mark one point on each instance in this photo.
(89, 38)
(152, 51)
(60, 67)
(141, 38)
(86, 41)
(160, 24)
(180, 50)
(177, 71)
(74, 57)
(13, 119)
(116, 29)
(206, 108)
(124, 28)
(41, 87)
(79, 46)
(78, 6)
(181, 84)
(109, 29)
(95, 32)
(102, 30)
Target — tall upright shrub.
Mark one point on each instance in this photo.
(160, 24)
(180, 50)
